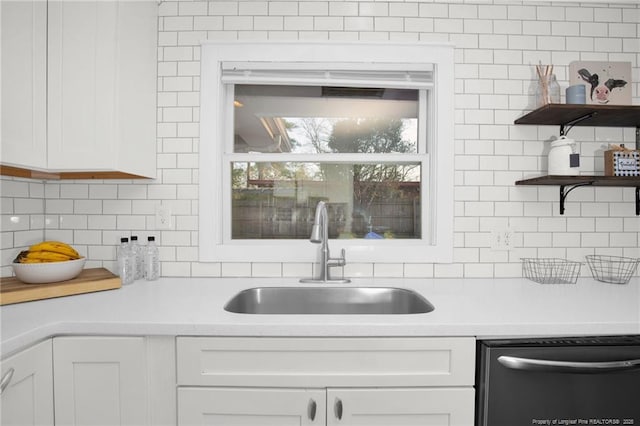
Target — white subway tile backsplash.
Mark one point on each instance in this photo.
(623, 239)
(595, 239)
(465, 255)
(167, 38)
(56, 206)
(15, 222)
(168, 9)
(105, 222)
(236, 269)
(497, 193)
(224, 7)
(478, 270)
(494, 162)
(212, 269)
(269, 23)
(259, 269)
(6, 205)
(175, 269)
(192, 8)
(539, 209)
(208, 23)
(186, 254)
(177, 84)
(374, 8)
(566, 239)
(388, 24)
(115, 207)
(86, 237)
(418, 270)
(237, 23)
(609, 224)
(126, 223)
(24, 238)
(177, 23)
(14, 188)
(453, 270)
(497, 46)
(28, 206)
(71, 221)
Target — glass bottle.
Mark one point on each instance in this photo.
(151, 260)
(126, 262)
(547, 90)
(137, 251)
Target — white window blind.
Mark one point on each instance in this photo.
(400, 76)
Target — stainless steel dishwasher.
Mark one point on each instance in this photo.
(558, 381)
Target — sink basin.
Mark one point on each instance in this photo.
(328, 300)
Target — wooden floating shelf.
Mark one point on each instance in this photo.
(598, 115)
(569, 183)
(585, 115)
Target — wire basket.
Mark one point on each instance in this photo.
(551, 270)
(612, 269)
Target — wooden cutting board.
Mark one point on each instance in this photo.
(13, 290)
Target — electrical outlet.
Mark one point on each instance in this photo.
(163, 217)
(502, 240)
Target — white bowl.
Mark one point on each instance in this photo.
(49, 272)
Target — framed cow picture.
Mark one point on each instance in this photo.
(607, 83)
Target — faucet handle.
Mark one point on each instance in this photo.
(339, 261)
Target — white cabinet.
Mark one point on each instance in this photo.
(401, 406)
(335, 407)
(24, 83)
(114, 381)
(27, 387)
(251, 406)
(91, 84)
(347, 381)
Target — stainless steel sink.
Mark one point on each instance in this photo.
(328, 300)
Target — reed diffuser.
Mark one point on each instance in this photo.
(548, 90)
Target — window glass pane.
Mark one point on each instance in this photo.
(277, 200)
(321, 119)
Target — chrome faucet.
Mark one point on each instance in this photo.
(320, 235)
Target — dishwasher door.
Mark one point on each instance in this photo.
(594, 381)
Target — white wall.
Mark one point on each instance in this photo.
(497, 46)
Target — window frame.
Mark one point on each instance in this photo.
(437, 162)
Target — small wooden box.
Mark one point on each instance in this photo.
(622, 163)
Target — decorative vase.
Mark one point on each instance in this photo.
(548, 90)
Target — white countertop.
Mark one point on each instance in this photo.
(463, 307)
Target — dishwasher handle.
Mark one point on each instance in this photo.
(543, 365)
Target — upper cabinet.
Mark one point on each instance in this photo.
(24, 83)
(79, 88)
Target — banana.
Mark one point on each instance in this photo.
(26, 260)
(55, 247)
(47, 256)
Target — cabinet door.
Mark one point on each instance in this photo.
(251, 406)
(100, 381)
(400, 407)
(27, 395)
(24, 83)
(102, 86)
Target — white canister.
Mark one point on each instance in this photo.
(560, 157)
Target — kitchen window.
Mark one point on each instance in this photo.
(367, 128)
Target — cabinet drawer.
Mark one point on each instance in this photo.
(321, 362)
